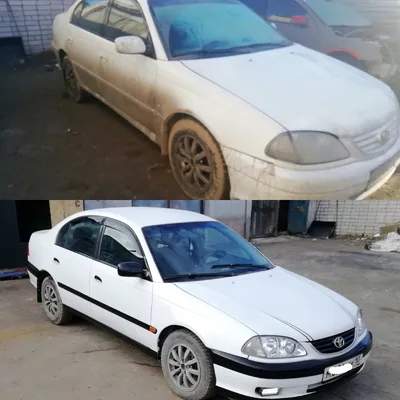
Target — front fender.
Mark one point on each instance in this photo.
(217, 330)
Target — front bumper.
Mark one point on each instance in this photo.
(238, 377)
(255, 179)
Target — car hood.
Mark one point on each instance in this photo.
(259, 299)
(302, 89)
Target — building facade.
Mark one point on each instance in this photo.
(30, 21)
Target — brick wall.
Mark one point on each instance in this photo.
(32, 20)
(359, 217)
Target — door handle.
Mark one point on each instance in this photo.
(97, 278)
(56, 260)
(103, 59)
(70, 41)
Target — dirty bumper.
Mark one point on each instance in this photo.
(252, 178)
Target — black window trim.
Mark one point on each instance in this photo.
(109, 222)
(77, 220)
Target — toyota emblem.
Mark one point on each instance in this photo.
(339, 342)
(383, 137)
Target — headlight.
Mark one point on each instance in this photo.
(360, 323)
(273, 347)
(307, 148)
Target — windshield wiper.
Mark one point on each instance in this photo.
(194, 276)
(232, 49)
(238, 265)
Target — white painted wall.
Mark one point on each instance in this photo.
(32, 20)
(93, 204)
(358, 217)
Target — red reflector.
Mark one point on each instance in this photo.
(299, 19)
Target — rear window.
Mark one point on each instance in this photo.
(337, 13)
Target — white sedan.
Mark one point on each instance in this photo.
(239, 109)
(219, 315)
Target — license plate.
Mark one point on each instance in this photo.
(339, 369)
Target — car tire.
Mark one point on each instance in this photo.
(195, 379)
(197, 161)
(71, 82)
(53, 306)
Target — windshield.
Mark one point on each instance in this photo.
(212, 28)
(202, 250)
(337, 13)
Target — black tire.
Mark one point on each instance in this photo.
(197, 161)
(204, 387)
(53, 306)
(71, 82)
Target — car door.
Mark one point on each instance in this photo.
(122, 303)
(72, 260)
(294, 21)
(127, 81)
(84, 40)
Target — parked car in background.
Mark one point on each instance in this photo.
(239, 109)
(215, 310)
(334, 28)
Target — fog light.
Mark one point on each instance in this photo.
(267, 391)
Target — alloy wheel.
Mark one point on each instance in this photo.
(184, 367)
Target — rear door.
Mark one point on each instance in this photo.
(72, 260)
(122, 303)
(86, 27)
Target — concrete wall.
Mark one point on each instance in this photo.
(358, 217)
(61, 209)
(32, 20)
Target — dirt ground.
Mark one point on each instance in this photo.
(83, 362)
(52, 148)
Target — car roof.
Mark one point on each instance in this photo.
(140, 217)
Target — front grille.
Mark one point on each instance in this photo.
(326, 345)
(374, 141)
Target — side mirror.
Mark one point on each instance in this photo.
(130, 45)
(131, 268)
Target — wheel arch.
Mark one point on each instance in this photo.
(40, 278)
(171, 121)
(168, 330)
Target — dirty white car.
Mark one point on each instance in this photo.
(219, 315)
(239, 109)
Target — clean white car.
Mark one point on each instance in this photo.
(219, 315)
(239, 109)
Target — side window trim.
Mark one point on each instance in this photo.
(76, 221)
(115, 224)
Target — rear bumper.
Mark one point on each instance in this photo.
(239, 377)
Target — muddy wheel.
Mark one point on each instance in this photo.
(72, 86)
(53, 306)
(187, 366)
(197, 161)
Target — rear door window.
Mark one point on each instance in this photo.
(90, 15)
